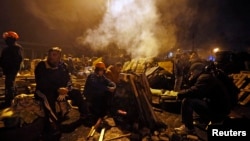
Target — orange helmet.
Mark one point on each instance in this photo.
(100, 65)
(10, 34)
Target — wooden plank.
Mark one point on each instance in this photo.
(147, 87)
(132, 83)
(241, 84)
(246, 100)
(146, 105)
(240, 94)
(242, 78)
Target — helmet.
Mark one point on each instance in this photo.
(100, 65)
(10, 34)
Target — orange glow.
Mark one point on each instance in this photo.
(216, 50)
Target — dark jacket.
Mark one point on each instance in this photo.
(11, 58)
(96, 86)
(210, 89)
(49, 80)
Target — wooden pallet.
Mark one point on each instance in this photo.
(242, 81)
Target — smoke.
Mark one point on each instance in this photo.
(133, 25)
(144, 28)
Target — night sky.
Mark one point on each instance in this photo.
(222, 22)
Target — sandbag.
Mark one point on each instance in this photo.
(23, 110)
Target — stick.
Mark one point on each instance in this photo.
(93, 128)
(46, 104)
(102, 134)
(91, 132)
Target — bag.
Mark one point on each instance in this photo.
(159, 78)
(27, 108)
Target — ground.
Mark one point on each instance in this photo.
(81, 132)
(75, 131)
(172, 119)
(165, 112)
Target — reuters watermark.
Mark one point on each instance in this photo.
(231, 133)
(239, 132)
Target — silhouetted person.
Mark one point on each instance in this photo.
(208, 97)
(178, 69)
(70, 64)
(10, 61)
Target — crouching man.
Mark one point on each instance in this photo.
(208, 97)
(98, 91)
(53, 85)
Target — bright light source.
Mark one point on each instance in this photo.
(216, 50)
(116, 6)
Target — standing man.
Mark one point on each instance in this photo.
(178, 70)
(10, 61)
(70, 63)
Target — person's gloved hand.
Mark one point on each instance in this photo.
(63, 93)
(111, 89)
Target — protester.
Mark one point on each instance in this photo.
(71, 66)
(97, 90)
(53, 84)
(207, 97)
(10, 61)
(178, 69)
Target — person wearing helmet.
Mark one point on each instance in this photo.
(10, 61)
(97, 91)
(207, 97)
(53, 82)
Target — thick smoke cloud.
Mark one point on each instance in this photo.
(144, 28)
(133, 25)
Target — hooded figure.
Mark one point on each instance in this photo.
(208, 97)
